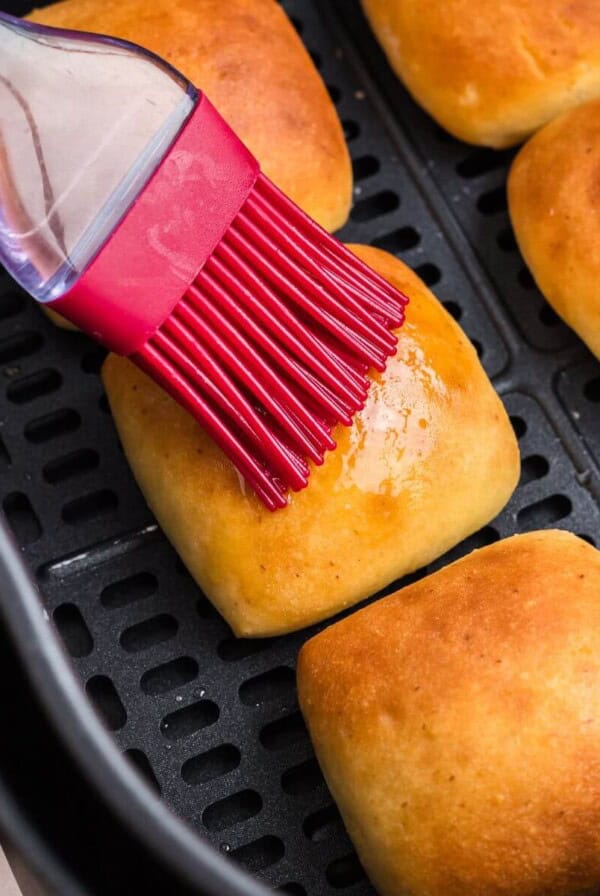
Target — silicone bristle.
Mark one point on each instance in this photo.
(270, 346)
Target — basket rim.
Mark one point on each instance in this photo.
(50, 673)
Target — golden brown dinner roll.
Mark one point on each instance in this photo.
(247, 57)
(458, 724)
(492, 73)
(431, 458)
(554, 192)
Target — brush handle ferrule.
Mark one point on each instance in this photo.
(168, 234)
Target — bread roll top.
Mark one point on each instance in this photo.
(492, 73)
(458, 724)
(431, 458)
(554, 193)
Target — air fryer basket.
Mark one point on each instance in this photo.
(212, 722)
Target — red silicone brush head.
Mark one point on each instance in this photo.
(255, 319)
(270, 346)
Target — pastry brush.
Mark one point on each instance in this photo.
(130, 207)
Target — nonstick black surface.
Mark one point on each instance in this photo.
(212, 721)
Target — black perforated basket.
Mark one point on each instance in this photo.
(211, 722)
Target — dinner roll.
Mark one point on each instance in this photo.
(492, 73)
(458, 724)
(246, 56)
(431, 458)
(553, 191)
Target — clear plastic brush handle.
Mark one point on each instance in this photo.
(84, 122)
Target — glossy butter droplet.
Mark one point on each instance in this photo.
(396, 428)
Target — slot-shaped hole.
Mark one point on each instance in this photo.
(519, 425)
(544, 513)
(22, 518)
(33, 386)
(93, 360)
(284, 732)
(481, 161)
(591, 390)
(440, 134)
(400, 240)
(210, 765)
(365, 166)
(526, 279)
(233, 649)
(232, 810)
(381, 203)
(533, 467)
(548, 316)
(105, 698)
(181, 569)
(148, 633)
(429, 273)
(351, 129)
(334, 92)
(493, 201)
(128, 591)
(454, 309)
(89, 507)
(5, 460)
(325, 823)
(259, 854)
(292, 889)
(302, 778)
(189, 719)
(52, 426)
(205, 609)
(506, 240)
(344, 872)
(19, 346)
(587, 538)
(298, 25)
(77, 463)
(73, 630)
(11, 303)
(142, 764)
(480, 539)
(169, 676)
(276, 685)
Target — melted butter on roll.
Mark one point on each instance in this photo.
(430, 459)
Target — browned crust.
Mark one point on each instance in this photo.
(430, 459)
(554, 193)
(492, 73)
(458, 724)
